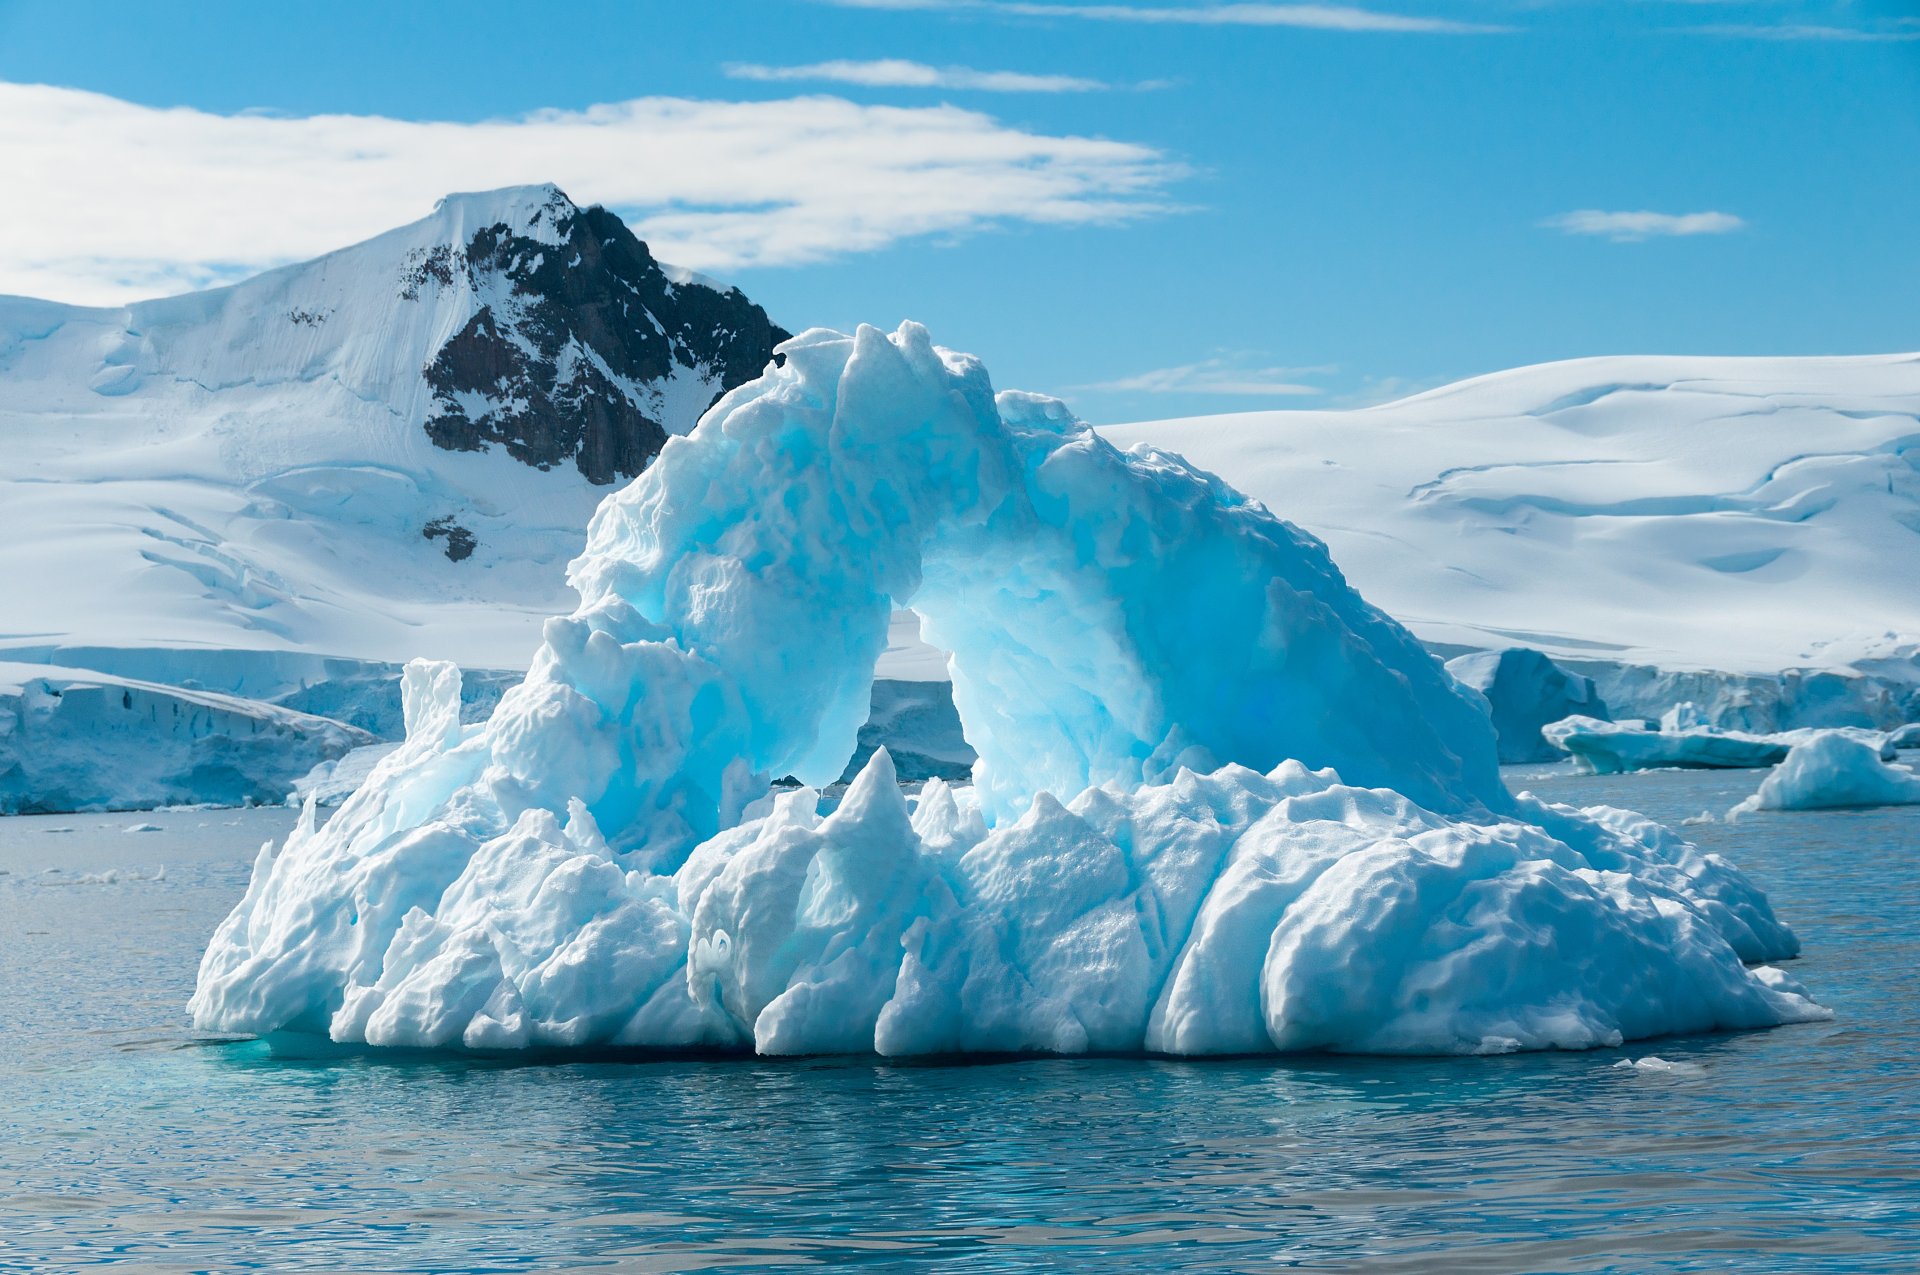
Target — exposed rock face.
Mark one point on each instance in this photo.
(584, 348)
(460, 541)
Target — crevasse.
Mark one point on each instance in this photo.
(1222, 805)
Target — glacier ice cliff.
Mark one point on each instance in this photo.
(77, 739)
(1221, 803)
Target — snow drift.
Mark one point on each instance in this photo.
(1833, 771)
(1221, 804)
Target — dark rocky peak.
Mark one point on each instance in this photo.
(580, 347)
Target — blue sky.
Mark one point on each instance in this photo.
(1149, 209)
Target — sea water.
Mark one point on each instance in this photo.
(128, 1139)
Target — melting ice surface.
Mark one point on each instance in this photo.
(1223, 805)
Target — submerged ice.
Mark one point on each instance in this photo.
(1221, 805)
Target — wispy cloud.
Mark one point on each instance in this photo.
(105, 200)
(1631, 227)
(1898, 30)
(1222, 375)
(1318, 17)
(898, 73)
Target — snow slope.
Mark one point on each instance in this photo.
(388, 451)
(1741, 515)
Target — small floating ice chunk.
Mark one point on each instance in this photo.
(141, 827)
(112, 876)
(1655, 1063)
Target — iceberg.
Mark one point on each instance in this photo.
(1221, 803)
(1526, 691)
(1681, 741)
(1830, 771)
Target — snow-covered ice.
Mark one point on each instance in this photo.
(236, 491)
(1222, 803)
(244, 472)
(1611, 748)
(1832, 770)
(1526, 691)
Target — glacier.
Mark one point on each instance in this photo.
(1221, 805)
(75, 739)
(1833, 770)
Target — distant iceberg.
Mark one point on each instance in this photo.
(1526, 691)
(1831, 771)
(1221, 803)
(1682, 741)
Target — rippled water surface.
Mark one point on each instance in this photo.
(125, 1139)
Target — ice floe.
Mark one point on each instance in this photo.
(1611, 748)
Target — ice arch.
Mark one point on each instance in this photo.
(1222, 803)
(1111, 617)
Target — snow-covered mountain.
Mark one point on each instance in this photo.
(1738, 515)
(281, 489)
(388, 451)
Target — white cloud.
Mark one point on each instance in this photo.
(898, 73)
(1631, 227)
(1319, 17)
(1900, 30)
(1216, 376)
(105, 200)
